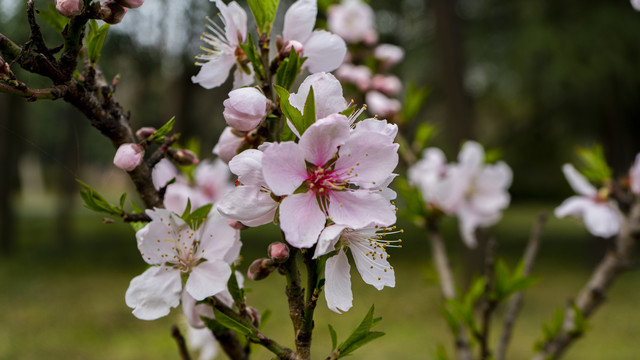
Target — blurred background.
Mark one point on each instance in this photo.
(533, 78)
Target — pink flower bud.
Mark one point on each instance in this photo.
(69, 8)
(296, 45)
(388, 84)
(388, 54)
(131, 4)
(254, 315)
(279, 252)
(359, 75)
(112, 12)
(128, 156)
(145, 132)
(260, 269)
(245, 108)
(184, 157)
(228, 145)
(380, 105)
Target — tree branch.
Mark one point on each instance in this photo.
(182, 347)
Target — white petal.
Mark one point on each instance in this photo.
(246, 203)
(327, 92)
(471, 156)
(301, 219)
(378, 126)
(241, 78)
(324, 51)
(217, 238)
(368, 158)
(193, 312)
(574, 206)
(299, 20)
(235, 19)
(372, 264)
(337, 288)
(156, 241)
(162, 172)
(154, 293)
(603, 220)
(248, 166)
(214, 72)
(208, 279)
(203, 341)
(360, 208)
(328, 239)
(578, 182)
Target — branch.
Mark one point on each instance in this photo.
(447, 285)
(489, 304)
(303, 337)
(592, 295)
(182, 347)
(516, 303)
(295, 296)
(22, 90)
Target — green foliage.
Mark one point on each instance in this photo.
(237, 293)
(458, 311)
(579, 321)
(551, 329)
(508, 283)
(492, 156)
(97, 35)
(230, 323)
(413, 101)
(415, 209)
(137, 225)
(158, 136)
(197, 217)
(264, 11)
(252, 54)
(594, 165)
(334, 336)
(361, 335)
(290, 112)
(97, 203)
(264, 317)
(53, 17)
(441, 353)
(424, 134)
(309, 114)
(289, 70)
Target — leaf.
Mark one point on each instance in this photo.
(252, 54)
(97, 35)
(594, 164)
(264, 317)
(232, 324)
(215, 326)
(53, 17)
(138, 225)
(95, 201)
(309, 114)
(441, 353)
(198, 216)
(579, 321)
(361, 335)
(424, 134)
(264, 11)
(491, 156)
(237, 294)
(334, 337)
(290, 112)
(158, 136)
(413, 102)
(123, 198)
(289, 70)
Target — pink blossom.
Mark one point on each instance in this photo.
(388, 54)
(128, 156)
(221, 57)
(381, 105)
(324, 51)
(353, 20)
(634, 176)
(600, 215)
(327, 92)
(245, 108)
(131, 4)
(338, 173)
(387, 84)
(359, 75)
(228, 144)
(69, 8)
(636, 4)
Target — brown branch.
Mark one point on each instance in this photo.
(142, 217)
(182, 347)
(22, 90)
(592, 295)
(489, 304)
(515, 304)
(295, 297)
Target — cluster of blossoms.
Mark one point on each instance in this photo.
(367, 63)
(594, 206)
(470, 189)
(329, 189)
(111, 11)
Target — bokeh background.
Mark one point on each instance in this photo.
(533, 78)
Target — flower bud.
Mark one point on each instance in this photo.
(112, 12)
(4, 69)
(145, 132)
(260, 269)
(131, 4)
(388, 54)
(184, 157)
(388, 84)
(279, 252)
(245, 108)
(254, 315)
(296, 45)
(381, 105)
(228, 144)
(128, 156)
(69, 8)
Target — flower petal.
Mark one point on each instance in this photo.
(208, 279)
(574, 206)
(283, 167)
(327, 92)
(214, 72)
(578, 182)
(154, 293)
(321, 140)
(156, 241)
(299, 20)
(603, 220)
(328, 239)
(217, 237)
(324, 51)
(235, 19)
(301, 219)
(372, 264)
(246, 203)
(248, 166)
(378, 126)
(368, 158)
(193, 312)
(359, 208)
(241, 78)
(338, 283)
(471, 157)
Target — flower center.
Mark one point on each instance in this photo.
(322, 181)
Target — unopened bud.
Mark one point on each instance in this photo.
(245, 108)
(145, 132)
(254, 315)
(128, 156)
(69, 8)
(296, 45)
(131, 4)
(184, 157)
(260, 269)
(112, 12)
(4, 69)
(279, 252)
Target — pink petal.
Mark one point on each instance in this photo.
(214, 72)
(235, 19)
(337, 288)
(154, 293)
(378, 126)
(163, 172)
(328, 239)
(359, 208)
(578, 182)
(301, 219)
(248, 166)
(241, 78)
(324, 51)
(574, 206)
(368, 157)
(283, 167)
(208, 279)
(217, 238)
(261, 220)
(321, 140)
(228, 144)
(299, 20)
(327, 92)
(603, 220)
(246, 203)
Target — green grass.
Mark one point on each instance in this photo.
(68, 303)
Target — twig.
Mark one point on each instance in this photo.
(592, 295)
(295, 295)
(516, 302)
(303, 337)
(182, 347)
(22, 90)
(489, 304)
(142, 217)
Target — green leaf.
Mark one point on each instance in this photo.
(334, 337)
(424, 134)
(123, 198)
(138, 225)
(158, 136)
(198, 216)
(264, 317)
(441, 353)
(412, 198)
(290, 112)
(491, 156)
(187, 210)
(237, 294)
(309, 114)
(53, 17)
(252, 54)
(361, 335)
(95, 201)
(414, 101)
(579, 321)
(370, 336)
(215, 326)
(232, 324)
(264, 11)
(289, 70)
(97, 35)
(594, 164)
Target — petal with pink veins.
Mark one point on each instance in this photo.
(368, 157)
(248, 166)
(321, 140)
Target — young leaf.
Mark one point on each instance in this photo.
(158, 136)
(288, 70)
(252, 54)
(232, 324)
(424, 134)
(53, 17)
(237, 294)
(594, 164)
(198, 216)
(95, 201)
(290, 112)
(264, 317)
(187, 210)
(264, 11)
(361, 335)
(413, 102)
(309, 115)
(97, 35)
(123, 198)
(334, 337)
(138, 225)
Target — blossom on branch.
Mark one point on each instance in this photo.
(69, 8)
(634, 176)
(174, 249)
(354, 21)
(245, 108)
(128, 156)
